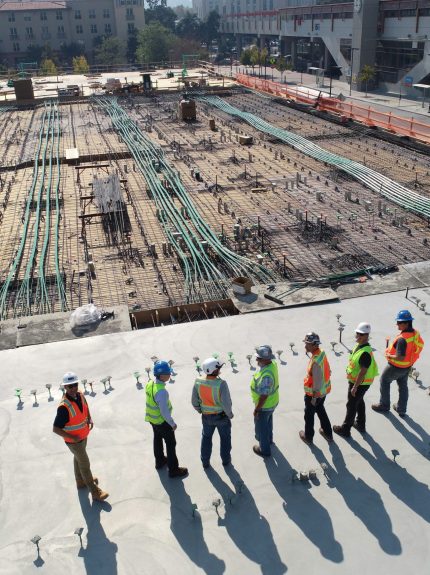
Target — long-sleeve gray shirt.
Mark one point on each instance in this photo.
(224, 398)
(161, 398)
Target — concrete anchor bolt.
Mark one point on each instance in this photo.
(340, 328)
(78, 531)
(333, 344)
(292, 344)
(36, 540)
(34, 392)
(416, 375)
(279, 353)
(338, 316)
(423, 306)
(249, 357)
(148, 371)
(154, 358)
(18, 393)
(90, 383)
(104, 382)
(48, 387)
(216, 503)
(136, 374)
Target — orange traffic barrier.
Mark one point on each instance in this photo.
(399, 125)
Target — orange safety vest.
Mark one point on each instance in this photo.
(78, 420)
(209, 395)
(414, 346)
(321, 359)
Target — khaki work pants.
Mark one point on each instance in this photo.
(81, 464)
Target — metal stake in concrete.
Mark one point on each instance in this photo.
(292, 344)
(18, 393)
(36, 540)
(338, 316)
(34, 392)
(340, 328)
(137, 375)
(231, 358)
(104, 381)
(90, 383)
(216, 503)
(333, 345)
(48, 387)
(84, 383)
(78, 531)
(148, 371)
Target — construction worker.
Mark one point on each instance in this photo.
(73, 423)
(401, 355)
(158, 413)
(211, 398)
(265, 395)
(360, 373)
(317, 385)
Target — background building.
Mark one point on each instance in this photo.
(24, 25)
(390, 35)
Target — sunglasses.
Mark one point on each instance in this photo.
(70, 385)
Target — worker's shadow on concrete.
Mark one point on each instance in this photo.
(402, 484)
(364, 502)
(247, 528)
(99, 554)
(187, 529)
(420, 444)
(302, 508)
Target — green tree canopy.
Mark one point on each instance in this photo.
(154, 43)
(109, 50)
(245, 57)
(80, 65)
(48, 67)
(190, 27)
(210, 28)
(165, 16)
(366, 75)
(70, 51)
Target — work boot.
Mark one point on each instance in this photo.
(380, 408)
(99, 495)
(179, 472)
(399, 413)
(304, 438)
(81, 483)
(256, 449)
(340, 430)
(328, 438)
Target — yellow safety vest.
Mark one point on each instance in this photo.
(271, 371)
(153, 413)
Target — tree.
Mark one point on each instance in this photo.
(189, 27)
(282, 66)
(255, 57)
(245, 57)
(48, 68)
(210, 28)
(132, 46)
(264, 52)
(80, 65)
(72, 50)
(154, 43)
(366, 75)
(109, 51)
(156, 3)
(165, 16)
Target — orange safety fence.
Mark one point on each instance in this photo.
(400, 125)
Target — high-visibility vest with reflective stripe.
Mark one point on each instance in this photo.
(414, 346)
(354, 367)
(78, 420)
(209, 395)
(271, 371)
(321, 359)
(153, 413)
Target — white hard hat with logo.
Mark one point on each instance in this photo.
(70, 378)
(363, 327)
(210, 365)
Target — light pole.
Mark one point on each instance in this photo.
(352, 67)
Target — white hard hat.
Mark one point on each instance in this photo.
(210, 365)
(363, 327)
(70, 378)
(264, 352)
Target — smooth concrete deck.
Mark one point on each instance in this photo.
(365, 513)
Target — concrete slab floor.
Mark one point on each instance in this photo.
(365, 513)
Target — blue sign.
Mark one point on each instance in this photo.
(408, 81)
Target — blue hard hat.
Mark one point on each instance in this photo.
(162, 368)
(404, 315)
